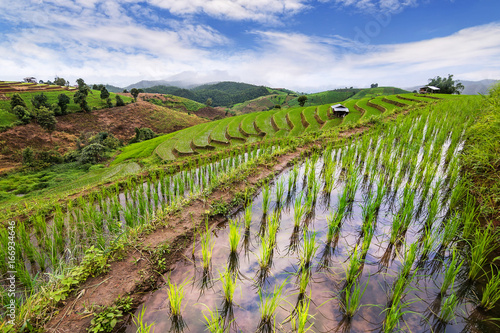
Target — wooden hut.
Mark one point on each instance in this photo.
(429, 89)
(339, 110)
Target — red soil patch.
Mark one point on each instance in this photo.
(120, 121)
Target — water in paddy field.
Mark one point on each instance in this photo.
(381, 267)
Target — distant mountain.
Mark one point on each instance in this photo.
(471, 87)
(225, 93)
(477, 87)
(148, 84)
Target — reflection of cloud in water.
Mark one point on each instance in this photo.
(324, 286)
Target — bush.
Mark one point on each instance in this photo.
(119, 101)
(109, 103)
(92, 153)
(71, 156)
(17, 100)
(50, 157)
(28, 156)
(106, 139)
(23, 114)
(143, 134)
(56, 109)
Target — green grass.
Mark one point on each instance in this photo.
(233, 127)
(7, 119)
(247, 123)
(387, 106)
(294, 116)
(93, 99)
(201, 139)
(323, 111)
(219, 131)
(263, 121)
(164, 150)
(184, 138)
(326, 97)
(370, 111)
(140, 149)
(313, 124)
(354, 115)
(280, 119)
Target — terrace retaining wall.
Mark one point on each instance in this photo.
(390, 101)
(376, 106)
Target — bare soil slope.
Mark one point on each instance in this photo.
(120, 121)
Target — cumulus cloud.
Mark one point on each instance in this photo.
(251, 10)
(391, 6)
(102, 42)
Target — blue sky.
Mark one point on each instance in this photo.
(305, 45)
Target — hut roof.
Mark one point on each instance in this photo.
(339, 107)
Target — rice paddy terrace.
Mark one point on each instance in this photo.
(372, 230)
(264, 125)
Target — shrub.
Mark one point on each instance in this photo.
(92, 153)
(63, 101)
(56, 109)
(28, 156)
(119, 101)
(22, 113)
(143, 134)
(71, 156)
(50, 157)
(109, 103)
(17, 100)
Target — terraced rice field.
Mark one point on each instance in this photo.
(253, 127)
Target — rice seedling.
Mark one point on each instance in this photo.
(334, 225)
(451, 272)
(268, 304)
(482, 245)
(299, 321)
(451, 231)
(308, 249)
(351, 302)
(299, 210)
(234, 235)
(207, 246)
(280, 192)
(228, 280)
(215, 321)
(142, 327)
(265, 198)
(353, 269)
(176, 294)
(491, 292)
(265, 254)
(447, 313)
(409, 259)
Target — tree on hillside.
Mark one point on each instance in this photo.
(447, 85)
(63, 101)
(119, 101)
(97, 86)
(104, 93)
(208, 102)
(60, 81)
(16, 100)
(134, 92)
(80, 96)
(40, 100)
(302, 100)
(373, 85)
(46, 119)
(22, 113)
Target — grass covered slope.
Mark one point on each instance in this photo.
(93, 99)
(276, 123)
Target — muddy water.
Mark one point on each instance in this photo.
(326, 284)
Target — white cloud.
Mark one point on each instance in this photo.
(99, 42)
(252, 10)
(390, 6)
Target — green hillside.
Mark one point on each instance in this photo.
(263, 125)
(222, 93)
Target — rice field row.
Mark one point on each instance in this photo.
(278, 123)
(377, 235)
